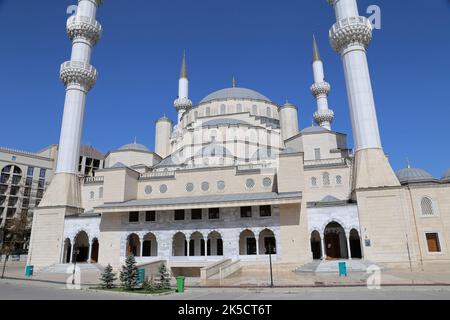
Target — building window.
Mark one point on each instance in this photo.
(265, 211)
(92, 195)
(39, 194)
(100, 192)
(427, 207)
(314, 181)
(338, 180)
(434, 246)
(29, 181)
(25, 203)
(326, 179)
(208, 111)
(30, 171)
(223, 109)
(269, 112)
(239, 108)
(179, 215)
(133, 217)
(214, 214)
(246, 212)
(42, 173)
(317, 154)
(150, 216)
(27, 192)
(41, 184)
(196, 214)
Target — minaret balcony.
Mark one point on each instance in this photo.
(79, 74)
(86, 28)
(320, 89)
(349, 32)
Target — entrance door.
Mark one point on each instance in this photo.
(94, 253)
(333, 246)
(251, 246)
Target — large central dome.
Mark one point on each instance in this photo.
(235, 93)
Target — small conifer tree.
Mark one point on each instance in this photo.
(163, 277)
(108, 278)
(129, 274)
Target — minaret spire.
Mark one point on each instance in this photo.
(316, 53)
(183, 104)
(320, 90)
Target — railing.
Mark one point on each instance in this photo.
(79, 65)
(350, 21)
(158, 175)
(248, 167)
(76, 19)
(325, 162)
(94, 179)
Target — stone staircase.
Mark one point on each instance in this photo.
(67, 268)
(332, 266)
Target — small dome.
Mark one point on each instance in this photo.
(235, 93)
(314, 130)
(134, 147)
(411, 175)
(446, 176)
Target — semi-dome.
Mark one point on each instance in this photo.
(446, 176)
(235, 93)
(134, 147)
(410, 175)
(314, 130)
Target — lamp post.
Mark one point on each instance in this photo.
(76, 252)
(270, 262)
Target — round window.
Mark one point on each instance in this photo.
(205, 186)
(163, 188)
(267, 182)
(148, 190)
(221, 185)
(250, 183)
(190, 187)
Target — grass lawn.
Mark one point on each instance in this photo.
(137, 291)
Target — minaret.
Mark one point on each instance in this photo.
(63, 196)
(183, 104)
(350, 37)
(320, 90)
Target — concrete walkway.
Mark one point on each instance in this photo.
(284, 276)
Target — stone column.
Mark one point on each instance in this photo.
(141, 239)
(322, 244)
(89, 252)
(72, 250)
(206, 247)
(188, 244)
(349, 250)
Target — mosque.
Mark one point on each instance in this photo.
(234, 180)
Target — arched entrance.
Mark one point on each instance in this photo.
(316, 245)
(247, 243)
(215, 244)
(179, 245)
(150, 246)
(335, 241)
(133, 245)
(94, 250)
(267, 242)
(355, 245)
(197, 245)
(81, 247)
(67, 251)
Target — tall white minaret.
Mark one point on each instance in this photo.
(63, 196)
(183, 104)
(79, 76)
(320, 90)
(350, 37)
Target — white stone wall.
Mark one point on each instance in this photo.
(346, 216)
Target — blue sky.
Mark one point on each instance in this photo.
(265, 44)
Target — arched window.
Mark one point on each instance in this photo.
(339, 180)
(255, 110)
(269, 112)
(208, 111)
(326, 179)
(92, 195)
(314, 181)
(427, 207)
(100, 193)
(223, 109)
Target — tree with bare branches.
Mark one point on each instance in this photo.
(16, 231)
